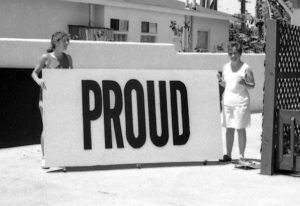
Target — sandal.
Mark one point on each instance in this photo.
(43, 166)
(226, 158)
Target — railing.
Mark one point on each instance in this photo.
(289, 142)
(90, 33)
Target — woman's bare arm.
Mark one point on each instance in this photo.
(38, 68)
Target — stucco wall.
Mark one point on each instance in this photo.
(218, 29)
(129, 55)
(218, 32)
(296, 12)
(39, 18)
(296, 17)
(164, 32)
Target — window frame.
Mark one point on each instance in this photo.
(208, 39)
(148, 36)
(117, 31)
(147, 33)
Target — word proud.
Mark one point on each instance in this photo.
(111, 113)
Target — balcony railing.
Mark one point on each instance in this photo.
(78, 32)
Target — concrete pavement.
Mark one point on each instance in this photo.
(22, 182)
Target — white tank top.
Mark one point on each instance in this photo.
(235, 94)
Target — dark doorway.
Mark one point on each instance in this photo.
(20, 120)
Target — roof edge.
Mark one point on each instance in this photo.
(211, 15)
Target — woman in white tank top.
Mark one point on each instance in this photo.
(237, 78)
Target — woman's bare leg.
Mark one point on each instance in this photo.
(242, 141)
(42, 136)
(229, 140)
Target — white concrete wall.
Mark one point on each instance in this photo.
(39, 18)
(218, 32)
(218, 29)
(24, 53)
(296, 17)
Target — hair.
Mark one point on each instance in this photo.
(236, 45)
(56, 37)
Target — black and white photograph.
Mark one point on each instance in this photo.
(149, 102)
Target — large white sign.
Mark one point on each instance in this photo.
(124, 116)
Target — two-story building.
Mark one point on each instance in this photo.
(117, 20)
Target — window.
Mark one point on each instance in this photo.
(153, 28)
(114, 24)
(78, 32)
(149, 31)
(202, 41)
(120, 37)
(120, 28)
(119, 25)
(148, 27)
(148, 38)
(145, 27)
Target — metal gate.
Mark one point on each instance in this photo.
(288, 148)
(281, 111)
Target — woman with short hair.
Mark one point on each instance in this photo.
(237, 78)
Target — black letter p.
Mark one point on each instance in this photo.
(89, 115)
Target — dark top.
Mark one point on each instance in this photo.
(64, 62)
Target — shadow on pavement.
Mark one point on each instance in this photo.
(136, 166)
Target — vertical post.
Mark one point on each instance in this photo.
(215, 5)
(91, 15)
(187, 34)
(268, 143)
(293, 122)
(187, 4)
(243, 11)
(184, 35)
(207, 4)
(190, 38)
(194, 6)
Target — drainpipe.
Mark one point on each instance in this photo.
(243, 13)
(194, 4)
(187, 40)
(91, 15)
(202, 3)
(184, 36)
(207, 4)
(191, 35)
(187, 6)
(188, 34)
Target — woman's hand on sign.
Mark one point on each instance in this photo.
(242, 81)
(220, 79)
(41, 83)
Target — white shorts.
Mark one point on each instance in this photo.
(237, 117)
